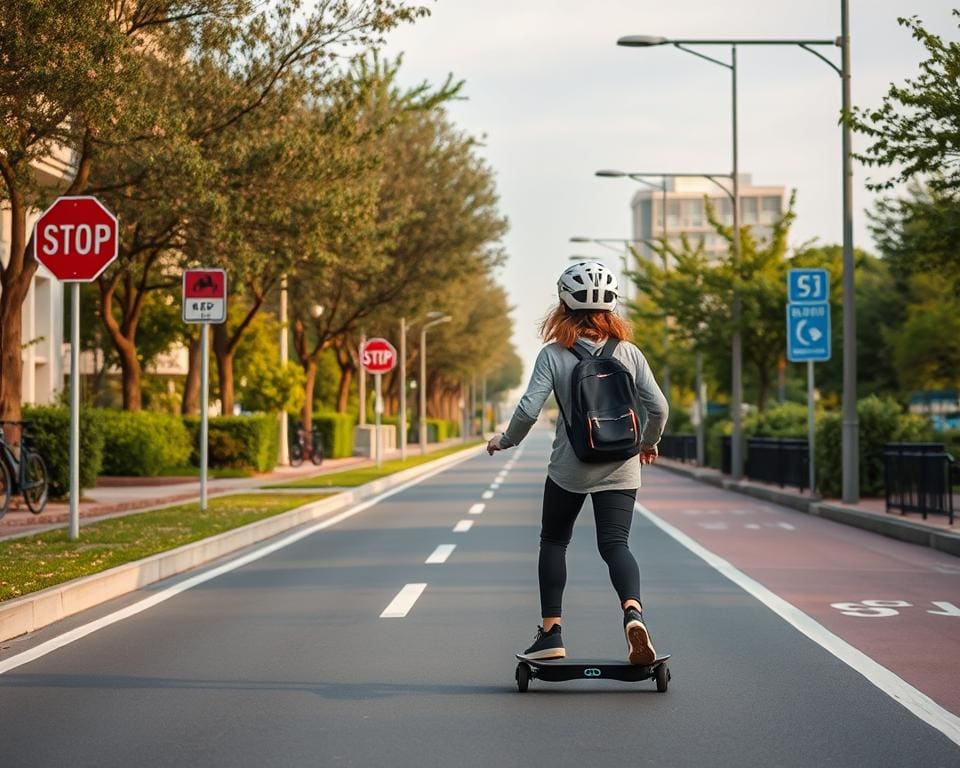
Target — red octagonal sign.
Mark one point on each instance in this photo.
(76, 238)
(378, 356)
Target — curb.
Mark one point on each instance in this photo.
(39, 609)
(892, 527)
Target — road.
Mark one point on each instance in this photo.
(286, 660)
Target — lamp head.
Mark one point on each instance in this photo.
(610, 174)
(641, 41)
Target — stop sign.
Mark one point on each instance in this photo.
(378, 356)
(76, 238)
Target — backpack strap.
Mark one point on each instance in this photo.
(609, 347)
(579, 352)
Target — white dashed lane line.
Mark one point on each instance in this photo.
(477, 509)
(486, 495)
(400, 605)
(463, 526)
(440, 554)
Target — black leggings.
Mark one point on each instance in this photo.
(613, 512)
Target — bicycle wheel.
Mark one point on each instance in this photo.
(296, 455)
(4, 488)
(316, 455)
(36, 486)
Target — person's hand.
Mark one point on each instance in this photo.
(648, 455)
(494, 444)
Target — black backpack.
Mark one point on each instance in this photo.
(604, 423)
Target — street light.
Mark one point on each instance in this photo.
(433, 318)
(851, 489)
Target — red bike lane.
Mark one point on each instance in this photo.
(898, 603)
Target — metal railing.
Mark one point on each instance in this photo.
(680, 447)
(780, 460)
(919, 477)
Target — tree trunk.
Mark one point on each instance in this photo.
(191, 386)
(15, 285)
(224, 353)
(130, 375)
(343, 391)
(309, 383)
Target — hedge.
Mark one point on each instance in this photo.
(245, 442)
(881, 421)
(50, 432)
(142, 443)
(336, 431)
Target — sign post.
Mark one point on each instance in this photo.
(808, 335)
(378, 356)
(204, 302)
(76, 238)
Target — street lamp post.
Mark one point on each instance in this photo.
(851, 490)
(435, 318)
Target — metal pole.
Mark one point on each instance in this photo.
(74, 412)
(377, 408)
(811, 432)
(736, 395)
(666, 323)
(851, 428)
(701, 426)
(402, 421)
(204, 391)
(284, 455)
(362, 418)
(422, 416)
(473, 403)
(483, 406)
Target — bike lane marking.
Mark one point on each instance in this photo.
(914, 700)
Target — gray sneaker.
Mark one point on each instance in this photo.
(548, 645)
(638, 638)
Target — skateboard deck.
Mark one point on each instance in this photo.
(560, 670)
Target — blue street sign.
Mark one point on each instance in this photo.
(808, 332)
(808, 286)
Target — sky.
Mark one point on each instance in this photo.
(555, 99)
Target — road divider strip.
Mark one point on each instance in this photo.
(477, 509)
(400, 605)
(463, 526)
(440, 554)
(40, 609)
(486, 495)
(898, 689)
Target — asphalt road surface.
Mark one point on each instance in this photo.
(289, 660)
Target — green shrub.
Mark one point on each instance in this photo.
(142, 443)
(50, 433)
(247, 442)
(780, 420)
(881, 421)
(716, 427)
(336, 431)
(951, 442)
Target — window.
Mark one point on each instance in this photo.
(771, 209)
(748, 210)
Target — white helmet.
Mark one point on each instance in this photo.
(588, 285)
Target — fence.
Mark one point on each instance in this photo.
(680, 447)
(919, 477)
(781, 460)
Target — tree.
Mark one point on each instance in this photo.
(917, 127)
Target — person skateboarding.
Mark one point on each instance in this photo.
(612, 414)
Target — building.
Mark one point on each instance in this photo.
(686, 213)
(42, 340)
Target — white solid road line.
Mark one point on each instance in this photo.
(400, 605)
(894, 686)
(440, 554)
(463, 526)
(486, 495)
(73, 635)
(477, 509)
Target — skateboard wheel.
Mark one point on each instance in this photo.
(523, 677)
(662, 677)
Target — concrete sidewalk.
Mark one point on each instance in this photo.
(122, 496)
(869, 514)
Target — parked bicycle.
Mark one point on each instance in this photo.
(26, 474)
(300, 448)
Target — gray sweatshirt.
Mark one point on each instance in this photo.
(552, 373)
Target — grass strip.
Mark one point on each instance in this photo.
(349, 478)
(36, 562)
(191, 471)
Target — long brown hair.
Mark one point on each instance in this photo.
(564, 325)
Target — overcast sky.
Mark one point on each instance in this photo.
(555, 99)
